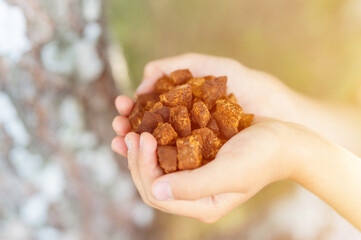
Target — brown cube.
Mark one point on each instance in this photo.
(245, 121)
(167, 157)
(149, 122)
(211, 143)
(189, 152)
(213, 90)
(209, 77)
(180, 76)
(197, 86)
(144, 98)
(232, 98)
(181, 95)
(136, 116)
(149, 105)
(159, 108)
(200, 114)
(227, 116)
(163, 85)
(212, 124)
(179, 118)
(165, 134)
(197, 100)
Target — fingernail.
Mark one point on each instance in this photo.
(128, 143)
(141, 87)
(141, 142)
(161, 191)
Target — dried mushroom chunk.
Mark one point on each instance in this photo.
(180, 76)
(167, 157)
(213, 90)
(212, 124)
(211, 143)
(159, 108)
(165, 134)
(149, 122)
(245, 121)
(232, 98)
(197, 87)
(179, 118)
(136, 116)
(200, 114)
(145, 98)
(189, 152)
(179, 96)
(163, 85)
(227, 116)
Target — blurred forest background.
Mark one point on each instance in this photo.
(62, 63)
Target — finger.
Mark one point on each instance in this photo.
(121, 125)
(118, 146)
(148, 166)
(148, 162)
(132, 142)
(198, 64)
(124, 105)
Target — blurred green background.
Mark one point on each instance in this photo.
(312, 46)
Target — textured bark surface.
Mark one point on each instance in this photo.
(58, 176)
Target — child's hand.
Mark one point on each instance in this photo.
(266, 152)
(256, 92)
(245, 164)
(263, 153)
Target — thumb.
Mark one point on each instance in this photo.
(218, 176)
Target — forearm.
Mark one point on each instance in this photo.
(340, 123)
(334, 175)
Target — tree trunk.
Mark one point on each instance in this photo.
(58, 176)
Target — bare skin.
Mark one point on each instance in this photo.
(270, 150)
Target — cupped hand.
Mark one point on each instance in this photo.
(257, 156)
(256, 92)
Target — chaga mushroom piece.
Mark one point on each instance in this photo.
(189, 152)
(179, 96)
(209, 77)
(136, 116)
(213, 90)
(245, 121)
(163, 85)
(165, 134)
(143, 99)
(232, 98)
(180, 76)
(149, 122)
(159, 108)
(179, 118)
(197, 86)
(227, 116)
(200, 114)
(211, 143)
(212, 124)
(167, 157)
